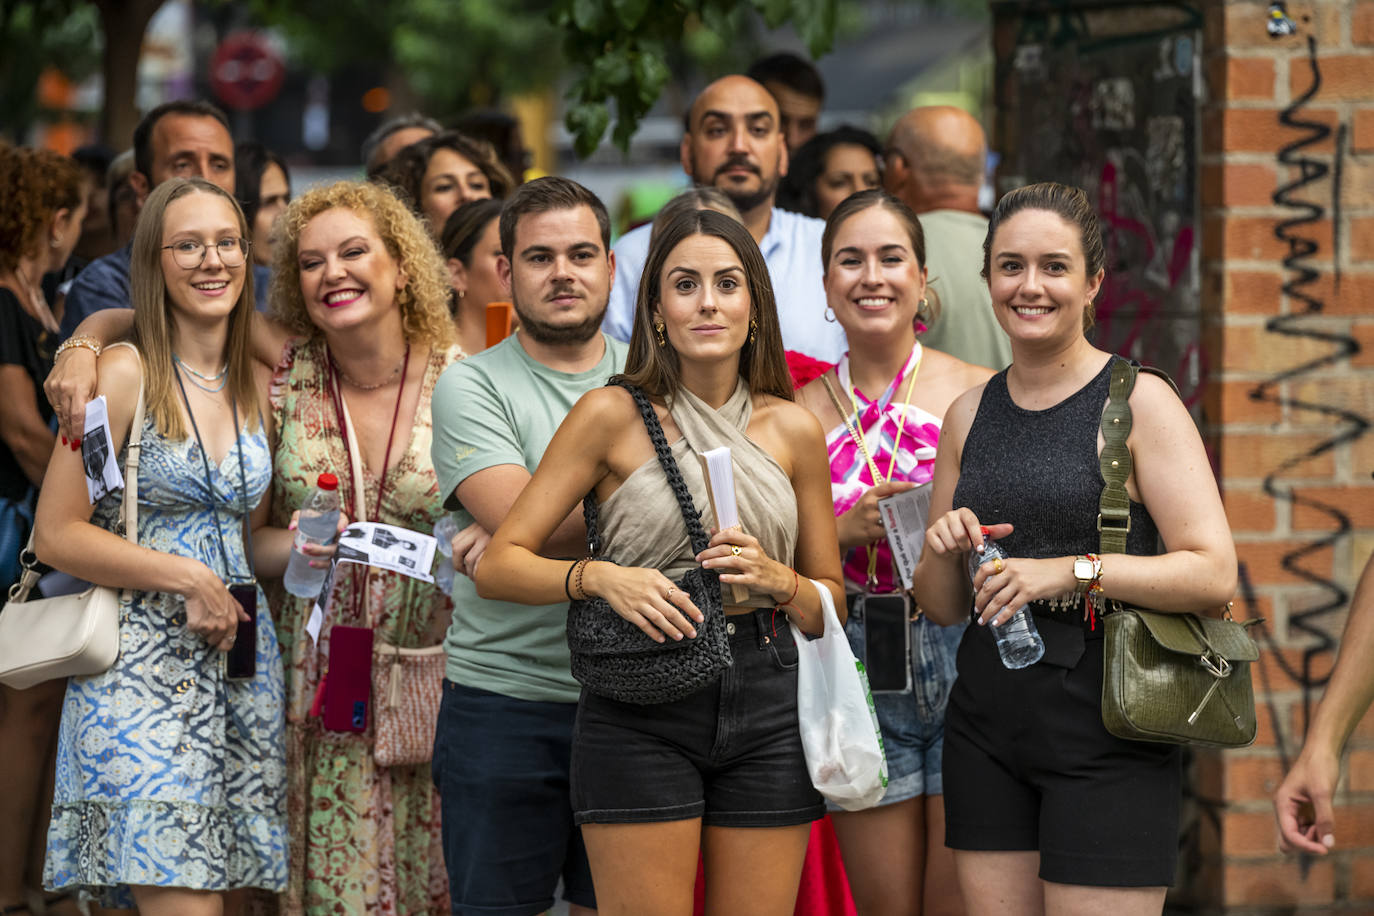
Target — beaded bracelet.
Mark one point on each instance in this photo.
(580, 566)
(89, 343)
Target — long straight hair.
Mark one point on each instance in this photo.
(762, 363)
(153, 312)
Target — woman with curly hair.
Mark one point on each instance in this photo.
(360, 330)
(41, 208)
(828, 168)
(441, 173)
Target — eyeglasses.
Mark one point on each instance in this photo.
(190, 254)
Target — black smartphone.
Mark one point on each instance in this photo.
(887, 642)
(240, 662)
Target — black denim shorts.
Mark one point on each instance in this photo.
(730, 753)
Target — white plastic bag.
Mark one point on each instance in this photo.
(839, 726)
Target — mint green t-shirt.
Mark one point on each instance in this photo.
(498, 407)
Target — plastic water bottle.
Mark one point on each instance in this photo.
(318, 523)
(444, 531)
(1018, 641)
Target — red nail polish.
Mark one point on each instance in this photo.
(76, 445)
(64, 440)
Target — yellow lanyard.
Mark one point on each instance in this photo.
(856, 432)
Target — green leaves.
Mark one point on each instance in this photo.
(618, 47)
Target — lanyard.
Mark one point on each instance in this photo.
(337, 396)
(356, 483)
(855, 430)
(243, 480)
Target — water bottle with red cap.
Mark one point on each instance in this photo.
(318, 523)
(1018, 641)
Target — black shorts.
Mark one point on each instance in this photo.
(730, 753)
(1029, 766)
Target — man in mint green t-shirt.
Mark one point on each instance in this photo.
(503, 745)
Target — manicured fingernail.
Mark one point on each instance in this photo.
(76, 446)
(291, 527)
(64, 440)
(692, 634)
(1329, 840)
(677, 637)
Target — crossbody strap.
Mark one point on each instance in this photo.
(1116, 463)
(690, 514)
(128, 507)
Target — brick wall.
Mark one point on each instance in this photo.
(1286, 413)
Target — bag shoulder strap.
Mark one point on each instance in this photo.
(690, 514)
(128, 507)
(1116, 463)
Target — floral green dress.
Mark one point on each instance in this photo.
(363, 838)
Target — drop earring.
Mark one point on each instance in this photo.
(753, 330)
(829, 314)
(658, 330)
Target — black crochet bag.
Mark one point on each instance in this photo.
(614, 658)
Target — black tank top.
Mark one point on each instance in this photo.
(1037, 469)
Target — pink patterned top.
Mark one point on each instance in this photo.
(850, 475)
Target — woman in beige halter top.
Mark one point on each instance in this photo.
(721, 770)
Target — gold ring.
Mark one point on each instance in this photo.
(668, 595)
(736, 549)
(998, 565)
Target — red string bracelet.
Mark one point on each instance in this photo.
(772, 618)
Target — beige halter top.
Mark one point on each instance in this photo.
(641, 524)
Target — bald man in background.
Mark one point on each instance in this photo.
(934, 163)
(733, 141)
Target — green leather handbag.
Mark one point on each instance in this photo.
(1170, 678)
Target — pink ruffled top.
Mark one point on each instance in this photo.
(850, 475)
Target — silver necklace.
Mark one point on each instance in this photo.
(222, 376)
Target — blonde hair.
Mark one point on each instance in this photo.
(424, 299)
(153, 312)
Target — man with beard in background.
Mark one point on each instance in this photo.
(503, 744)
(733, 141)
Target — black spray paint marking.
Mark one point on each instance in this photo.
(1302, 274)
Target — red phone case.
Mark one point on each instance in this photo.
(348, 683)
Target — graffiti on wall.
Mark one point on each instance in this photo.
(1118, 116)
(1305, 198)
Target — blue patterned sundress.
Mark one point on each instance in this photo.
(168, 774)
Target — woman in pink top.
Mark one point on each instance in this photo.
(882, 407)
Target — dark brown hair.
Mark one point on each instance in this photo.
(550, 193)
(406, 171)
(1068, 203)
(143, 133)
(465, 226)
(877, 197)
(762, 363)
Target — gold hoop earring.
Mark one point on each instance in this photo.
(658, 329)
(753, 329)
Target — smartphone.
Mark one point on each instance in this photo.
(887, 642)
(240, 662)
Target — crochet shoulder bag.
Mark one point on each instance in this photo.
(612, 657)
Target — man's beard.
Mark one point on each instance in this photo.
(559, 335)
(744, 201)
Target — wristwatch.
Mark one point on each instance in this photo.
(1087, 569)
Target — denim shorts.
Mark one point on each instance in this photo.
(730, 753)
(913, 723)
(501, 768)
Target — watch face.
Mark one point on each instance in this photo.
(1082, 569)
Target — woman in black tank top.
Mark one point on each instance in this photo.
(1046, 810)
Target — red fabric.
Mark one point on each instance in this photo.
(804, 368)
(824, 889)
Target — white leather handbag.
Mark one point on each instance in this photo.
(68, 635)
